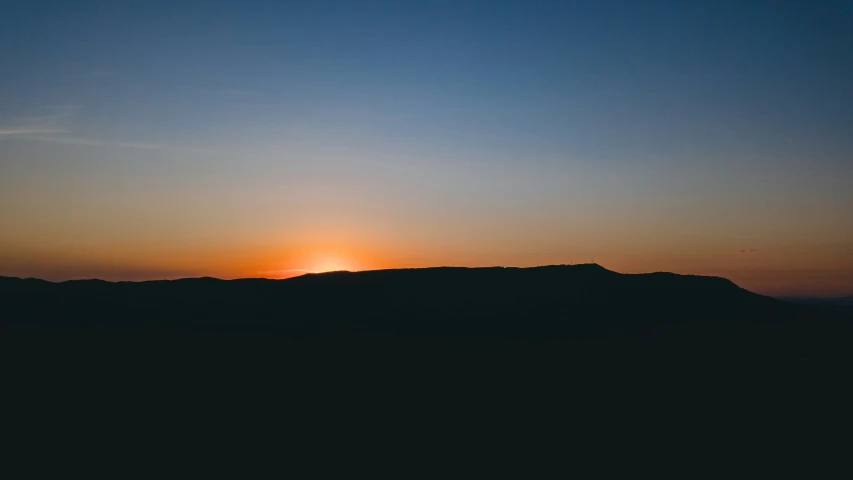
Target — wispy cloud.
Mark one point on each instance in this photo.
(51, 128)
(751, 250)
(47, 123)
(23, 131)
(66, 140)
(91, 142)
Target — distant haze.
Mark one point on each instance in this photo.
(236, 139)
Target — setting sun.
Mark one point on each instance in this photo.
(329, 263)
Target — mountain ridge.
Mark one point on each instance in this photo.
(552, 299)
(525, 339)
(590, 267)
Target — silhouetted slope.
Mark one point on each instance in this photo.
(553, 347)
(554, 302)
(441, 300)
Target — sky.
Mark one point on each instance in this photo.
(149, 139)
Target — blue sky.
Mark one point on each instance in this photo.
(603, 80)
(675, 120)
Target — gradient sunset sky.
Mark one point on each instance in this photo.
(149, 139)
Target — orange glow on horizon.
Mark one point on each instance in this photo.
(275, 255)
(330, 263)
(303, 262)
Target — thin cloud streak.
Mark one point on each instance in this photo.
(36, 125)
(26, 131)
(89, 142)
(45, 128)
(49, 128)
(66, 140)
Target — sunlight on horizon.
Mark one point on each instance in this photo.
(322, 263)
(330, 264)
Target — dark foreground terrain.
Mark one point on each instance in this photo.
(842, 304)
(443, 355)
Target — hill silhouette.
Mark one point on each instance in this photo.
(576, 303)
(446, 300)
(555, 343)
